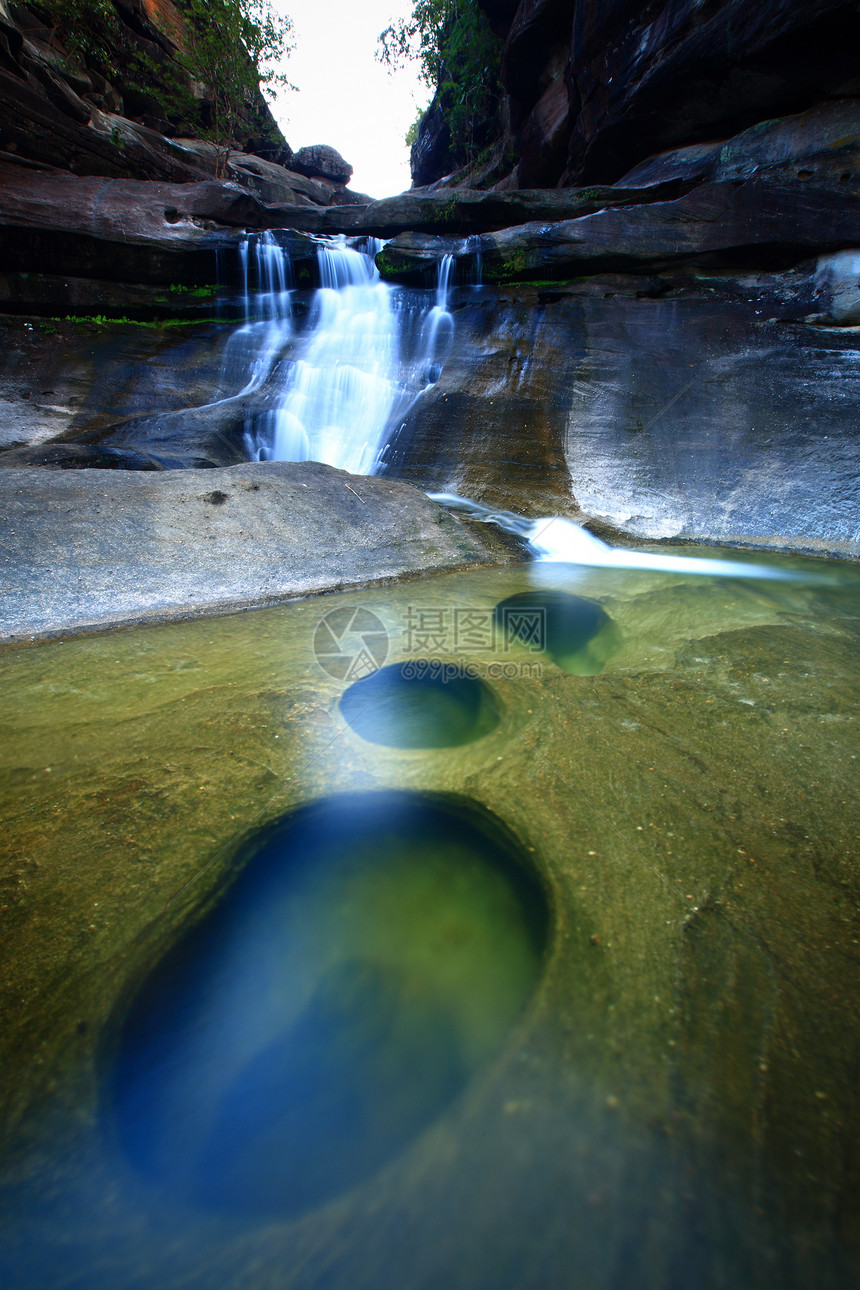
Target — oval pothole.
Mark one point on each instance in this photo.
(577, 633)
(368, 960)
(420, 704)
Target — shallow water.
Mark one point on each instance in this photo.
(671, 1101)
(371, 956)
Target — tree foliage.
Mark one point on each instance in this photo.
(86, 28)
(234, 48)
(223, 54)
(459, 58)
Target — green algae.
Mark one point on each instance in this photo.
(691, 1047)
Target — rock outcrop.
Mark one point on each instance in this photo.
(716, 224)
(115, 245)
(90, 549)
(697, 406)
(58, 109)
(594, 88)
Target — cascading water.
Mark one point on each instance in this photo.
(255, 348)
(341, 388)
(554, 539)
(352, 375)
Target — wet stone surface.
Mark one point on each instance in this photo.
(670, 1100)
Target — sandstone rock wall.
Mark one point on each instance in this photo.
(100, 114)
(596, 86)
(706, 409)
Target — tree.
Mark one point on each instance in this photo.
(233, 48)
(459, 58)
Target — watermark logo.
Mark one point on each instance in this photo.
(473, 631)
(350, 643)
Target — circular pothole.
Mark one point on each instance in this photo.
(420, 704)
(370, 957)
(577, 633)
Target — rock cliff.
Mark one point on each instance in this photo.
(596, 86)
(110, 106)
(666, 338)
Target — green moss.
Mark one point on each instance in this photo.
(385, 262)
(448, 213)
(196, 293)
(101, 320)
(510, 268)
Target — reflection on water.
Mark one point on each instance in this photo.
(369, 959)
(418, 705)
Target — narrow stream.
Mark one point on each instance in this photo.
(461, 931)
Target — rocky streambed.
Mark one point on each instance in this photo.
(451, 919)
(650, 808)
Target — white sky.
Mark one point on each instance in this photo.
(346, 98)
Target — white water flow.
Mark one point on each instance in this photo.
(339, 388)
(255, 348)
(561, 541)
(336, 390)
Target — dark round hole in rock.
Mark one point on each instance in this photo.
(577, 633)
(370, 957)
(420, 704)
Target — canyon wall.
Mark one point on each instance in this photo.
(596, 86)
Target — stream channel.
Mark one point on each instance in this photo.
(494, 929)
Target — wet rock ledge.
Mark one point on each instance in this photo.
(91, 549)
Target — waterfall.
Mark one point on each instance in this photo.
(255, 348)
(338, 389)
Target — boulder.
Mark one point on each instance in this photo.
(191, 438)
(87, 549)
(270, 181)
(838, 280)
(321, 160)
